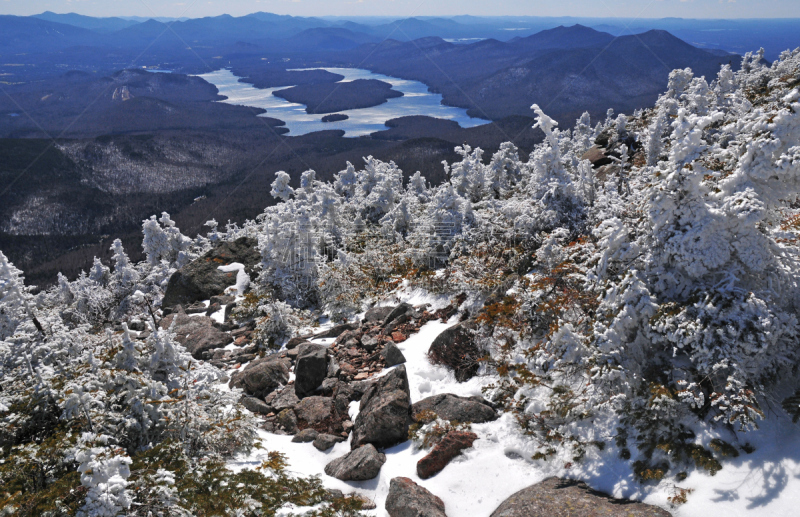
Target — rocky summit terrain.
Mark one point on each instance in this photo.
(310, 390)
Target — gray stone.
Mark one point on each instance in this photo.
(398, 311)
(377, 314)
(305, 436)
(287, 420)
(255, 405)
(408, 499)
(196, 333)
(314, 410)
(323, 442)
(311, 368)
(358, 465)
(284, 399)
(392, 356)
(201, 279)
(369, 343)
(452, 407)
(556, 497)
(385, 412)
(261, 376)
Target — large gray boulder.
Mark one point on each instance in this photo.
(262, 376)
(196, 333)
(452, 407)
(385, 412)
(408, 499)
(358, 465)
(456, 349)
(311, 368)
(556, 497)
(201, 279)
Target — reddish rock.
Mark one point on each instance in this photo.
(450, 447)
(398, 337)
(241, 341)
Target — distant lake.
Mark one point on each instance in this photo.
(417, 100)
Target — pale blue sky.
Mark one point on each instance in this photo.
(583, 8)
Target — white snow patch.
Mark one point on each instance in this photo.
(242, 278)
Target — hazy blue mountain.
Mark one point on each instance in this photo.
(327, 38)
(31, 34)
(87, 22)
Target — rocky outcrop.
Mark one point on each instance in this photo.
(201, 279)
(456, 349)
(196, 333)
(452, 407)
(358, 465)
(262, 376)
(448, 448)
(385, 412)
(556, 497)
(311, 368)
(408, 499)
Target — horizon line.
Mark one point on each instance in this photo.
(400, 17)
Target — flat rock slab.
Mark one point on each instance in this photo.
(358, 465)
(201, 279)
(451, 446)
(255, 405)
(262, 376)
(196, 333)
(452, 407)
(556, 497)
(408, 499)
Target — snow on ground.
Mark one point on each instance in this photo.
(766, 482)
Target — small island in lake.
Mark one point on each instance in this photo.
(338, 117)
(332, 97)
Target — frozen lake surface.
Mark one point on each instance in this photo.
(416, 100)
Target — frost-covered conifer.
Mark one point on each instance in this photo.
(163, 241)
(14, 298)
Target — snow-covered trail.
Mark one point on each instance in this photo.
(764, 483)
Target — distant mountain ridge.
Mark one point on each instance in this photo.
(87, 22)
(568, 69)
